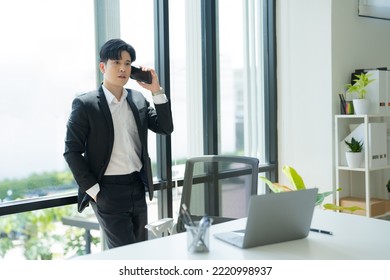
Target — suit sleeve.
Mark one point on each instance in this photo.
(76, 136)
(160, 119)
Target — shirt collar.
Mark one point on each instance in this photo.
(111, 98)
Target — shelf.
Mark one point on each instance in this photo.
(378, 207)
(362, 169)
(362, 116)
(363, 181)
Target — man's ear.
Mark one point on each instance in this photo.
(102, 67)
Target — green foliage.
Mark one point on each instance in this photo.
(40, 232)
(360, 84)
(298, 184)
(5, 245)
(295, 179)
(35, 184)
(37, 231)
(76, 242)
(341, 208)
(8, 226)
(321, 196)
(354, 145)
(388, 186)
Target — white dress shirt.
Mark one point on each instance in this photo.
(126, 152)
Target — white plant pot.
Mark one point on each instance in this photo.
(361, 106)
(354, 160)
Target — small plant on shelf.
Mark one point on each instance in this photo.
(388, 186)
(355, 155)
(360, 84)
(354, 145)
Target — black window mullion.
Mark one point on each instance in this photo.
(209, 76)
(270, 88)
(164, 153)
(32, 204)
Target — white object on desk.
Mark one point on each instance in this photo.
(354, 237)
(161, 227)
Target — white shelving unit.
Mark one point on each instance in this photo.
(348, 178)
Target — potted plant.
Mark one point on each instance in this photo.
(359, 87)
(297, 184)
(355, 154)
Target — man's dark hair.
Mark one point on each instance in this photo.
(113, 48)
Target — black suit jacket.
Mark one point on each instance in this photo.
(90, 137)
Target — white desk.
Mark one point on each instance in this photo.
(354, 237)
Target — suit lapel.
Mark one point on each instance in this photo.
(102, 101)
(134, 109)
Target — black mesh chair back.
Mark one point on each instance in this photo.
(218, 186)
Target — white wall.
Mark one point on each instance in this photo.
(358, 42)
(304, 86)
(319, 44)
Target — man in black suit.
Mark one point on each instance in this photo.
(106, 145)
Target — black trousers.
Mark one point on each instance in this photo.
(121, 209)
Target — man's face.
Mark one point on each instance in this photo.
(117, 72)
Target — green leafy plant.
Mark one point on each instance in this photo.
(354, 145)
(298, 184)
(39, 233)
(360, 84)
(76, 243)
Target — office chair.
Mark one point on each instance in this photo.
(218, 186)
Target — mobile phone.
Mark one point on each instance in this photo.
(140, 75)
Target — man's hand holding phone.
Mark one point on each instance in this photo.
(141, 75)
(146, 78)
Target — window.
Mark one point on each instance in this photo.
(240, 83)
(186, 86)
(136, 28)
(241, 77)
(47, 60)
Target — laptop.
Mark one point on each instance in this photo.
(274, 218)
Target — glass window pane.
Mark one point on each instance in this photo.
(47, 59)
(186, 84)
(241, 82)
(137, 29)
(41, 235)
(231, 70)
